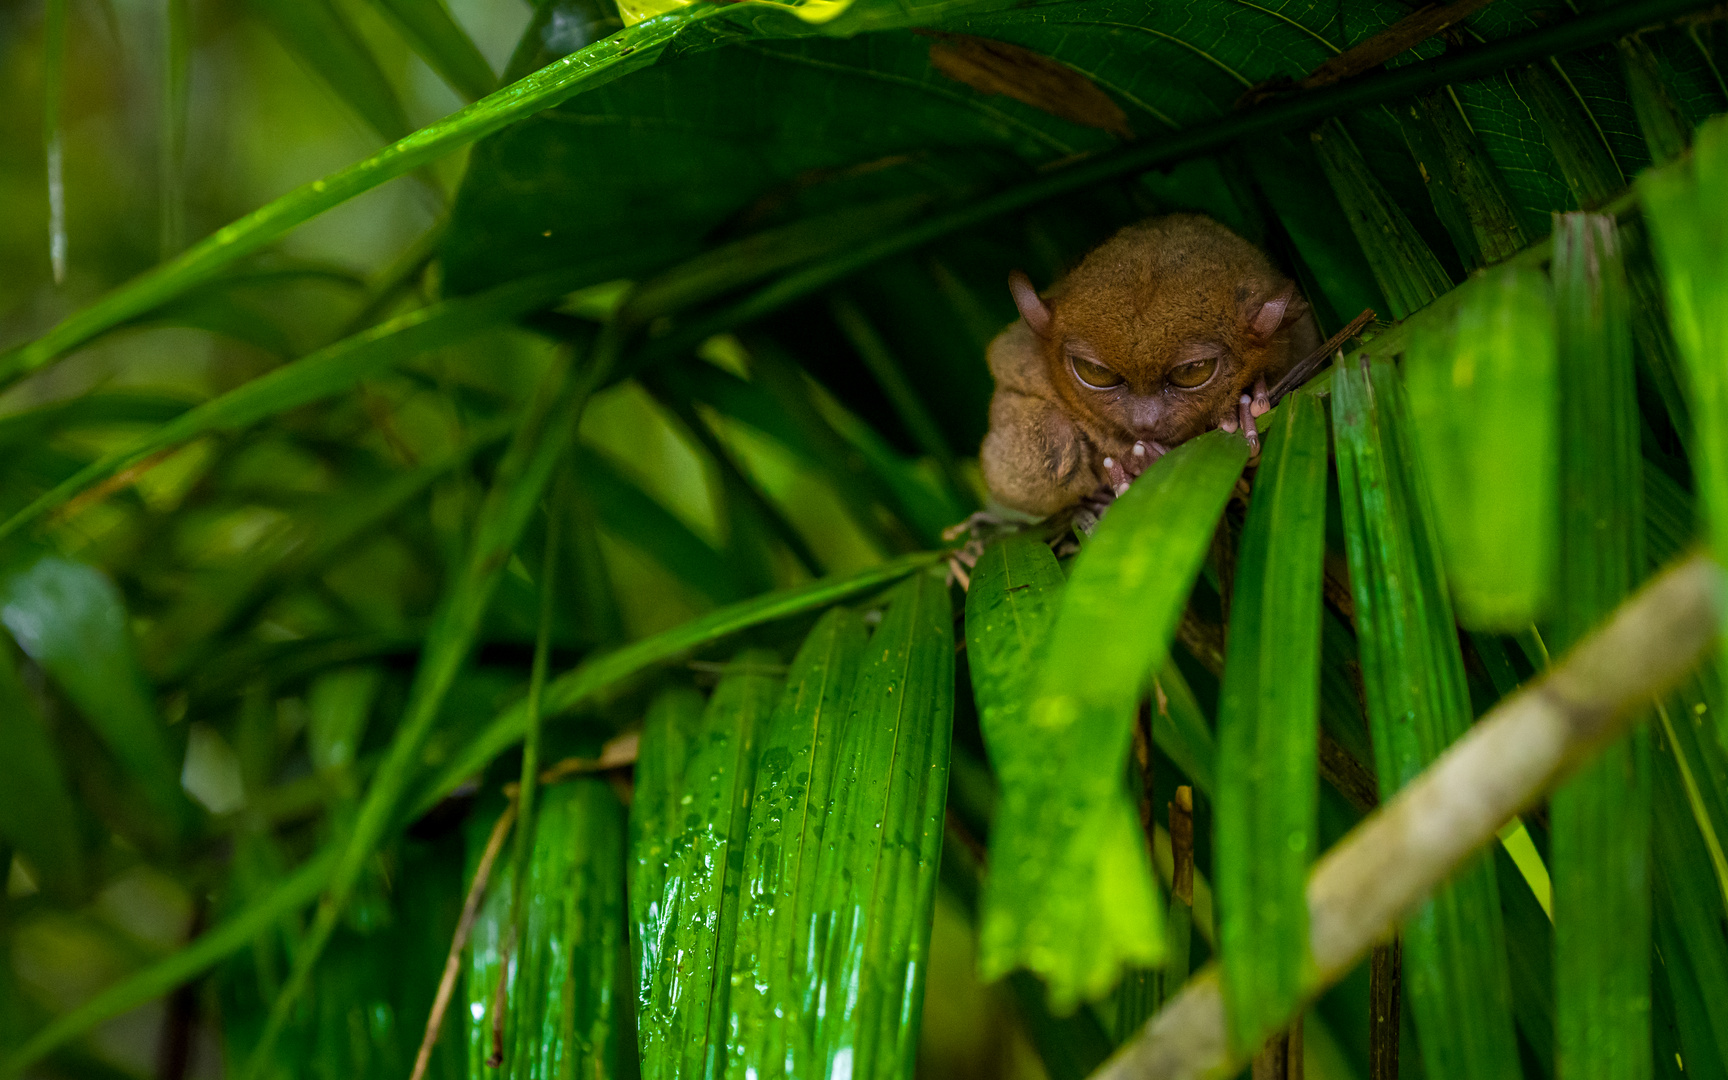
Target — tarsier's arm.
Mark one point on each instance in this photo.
(1035, 459)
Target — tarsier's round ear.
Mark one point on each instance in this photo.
(1270, 316)
(1032, 306)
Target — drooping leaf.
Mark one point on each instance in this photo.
(1268, 730)
(1589, 167)
(70, 619)
(1468, 191)
(1413, 680)
(1070, 894)
(683, 998)
(776, 985)
(1483, 395)
(882, 842)
(1600, 817)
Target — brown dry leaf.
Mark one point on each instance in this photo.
(1400, 37)
(996, 67)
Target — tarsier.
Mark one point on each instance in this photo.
(1171, 328)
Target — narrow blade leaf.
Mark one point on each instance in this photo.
(1268, 730)
(1413, 678)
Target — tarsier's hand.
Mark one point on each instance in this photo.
(1240, 415)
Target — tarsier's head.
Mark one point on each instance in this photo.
(1158, 333)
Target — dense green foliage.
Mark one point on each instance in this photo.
(546, 509)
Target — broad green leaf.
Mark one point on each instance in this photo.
(1403, 265)
(1070, 893)
(1268, 730)
(594, 677)
(1483, 396)
(882, 842)
(1683, 205)
(1413, 678)
(541, 442)
(683, 998)
(321, 34)
(443, 44)
(1600, 817)
(70, 619)
(776, 985)
(37, 815)
(568, 1006)
(328, 371)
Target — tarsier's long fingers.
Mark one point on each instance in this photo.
(1245, 411)
(1262, 399)
(1143, 455)
(1119, 478)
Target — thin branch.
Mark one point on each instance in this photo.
(458, 942)
(1374, 877)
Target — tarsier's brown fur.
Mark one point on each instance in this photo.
(1168, 292)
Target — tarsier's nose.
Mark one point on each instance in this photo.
(1146, 412)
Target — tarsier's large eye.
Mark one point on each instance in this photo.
(1194, 373)
(1097, 376)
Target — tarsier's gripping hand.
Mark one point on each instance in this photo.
(1035, 458)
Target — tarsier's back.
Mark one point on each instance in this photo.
(1172, 327)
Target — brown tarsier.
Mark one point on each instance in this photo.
(1173, 327)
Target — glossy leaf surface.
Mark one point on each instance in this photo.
(1268, 729)
(776, 989)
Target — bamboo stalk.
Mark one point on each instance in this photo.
(1360, 890)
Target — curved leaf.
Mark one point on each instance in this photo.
(1073, 898)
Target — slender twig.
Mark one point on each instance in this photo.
(1373, 878)
(1308, 365)
(459, 940)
